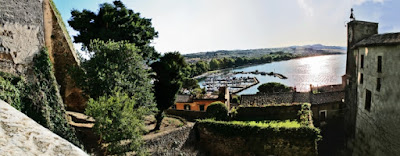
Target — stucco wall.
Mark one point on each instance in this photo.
(377, 130)
(21, 34)
(195, 105)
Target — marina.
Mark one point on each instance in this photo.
(299, 73)
(234, 84)
(263, 73)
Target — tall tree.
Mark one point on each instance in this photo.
(167, 82)
(114, 22)
(115, 64)
(214, 64)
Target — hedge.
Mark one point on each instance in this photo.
(244, 129)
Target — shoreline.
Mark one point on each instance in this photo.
(198, 77)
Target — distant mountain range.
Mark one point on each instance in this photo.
(306, 50)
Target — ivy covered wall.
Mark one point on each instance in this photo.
(37, 96)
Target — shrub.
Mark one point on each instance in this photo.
(42, 102)
(268, 129)
(235, 99)
(273, 87)
(118, 120)
(217, 110)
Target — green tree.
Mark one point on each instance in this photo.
(190, 83)
(273, 87)
(217, 110)
(118, 118)
(114, 22)
(167, 82)
(115, 64)
(201, 67)
(214, 64)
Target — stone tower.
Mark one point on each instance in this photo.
(356, 31)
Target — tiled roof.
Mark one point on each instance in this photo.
(183, 98)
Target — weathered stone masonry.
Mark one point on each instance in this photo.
(25, 28)
(21, 34)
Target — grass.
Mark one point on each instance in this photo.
(261, 124)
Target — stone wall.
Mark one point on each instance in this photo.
(292, 97)
(377, 129)
(20, 135)
(188, 115)
(253, 142)
(28, 26)
(289, 112)
(264, 99)
(180, 141)
(63, 56)
(356, 31)
(21, 34)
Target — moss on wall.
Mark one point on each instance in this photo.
(10, 89)
(39, 97)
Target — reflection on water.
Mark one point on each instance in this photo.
(318, 70)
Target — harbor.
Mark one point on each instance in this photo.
(262, 73)
(234, 84)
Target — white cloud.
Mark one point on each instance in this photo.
(359, 2)
(304, 5)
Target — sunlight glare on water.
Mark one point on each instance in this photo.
(318, 70)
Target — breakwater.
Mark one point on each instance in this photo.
(263, 73)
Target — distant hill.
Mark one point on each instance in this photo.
(306, 50)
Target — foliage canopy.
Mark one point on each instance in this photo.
(114, 22)
(115, 64)
(167, 81)
(118, 119)
(217, 110)
(272, 87)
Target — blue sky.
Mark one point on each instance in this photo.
(207, 25)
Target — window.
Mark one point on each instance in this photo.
(187, 107)
(361, 78)
(322, 115)
(368, 100)
(201, 107)
(379, 64)
(173, 107)
(362, 61)
(378, 84)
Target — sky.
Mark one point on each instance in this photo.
(190, 26)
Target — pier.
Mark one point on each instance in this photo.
(235, 84)
(263, 73)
